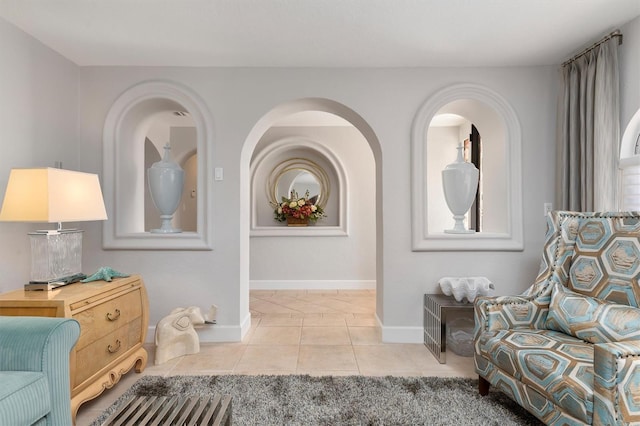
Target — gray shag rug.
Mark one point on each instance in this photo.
(351, 400)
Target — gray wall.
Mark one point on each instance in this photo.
(47, 116)
(388, 100)
(38, 126)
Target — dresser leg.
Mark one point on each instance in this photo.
(141, 361)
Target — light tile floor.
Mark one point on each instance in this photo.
(330, 332)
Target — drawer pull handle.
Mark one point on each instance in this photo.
(113, 350)
(114, 317)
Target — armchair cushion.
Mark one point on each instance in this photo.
(592, 320)
(34, 361)
(26, 395)
(606, 259)
(549, 362)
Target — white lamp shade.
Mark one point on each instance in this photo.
(52, 195)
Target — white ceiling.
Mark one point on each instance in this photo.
(318, 33)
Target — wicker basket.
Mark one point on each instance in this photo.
(294, 221)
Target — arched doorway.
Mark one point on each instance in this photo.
(260, 128)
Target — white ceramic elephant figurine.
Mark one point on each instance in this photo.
(468, 288)
(175, 335)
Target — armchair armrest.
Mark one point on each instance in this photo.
(42, 344)
(616, 398)
(32, 343)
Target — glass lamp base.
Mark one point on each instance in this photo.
(55, 255)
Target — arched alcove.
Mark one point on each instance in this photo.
(124, 135)
(263, 125)
(267, 161)
(504, 198)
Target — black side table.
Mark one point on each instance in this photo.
(437, 308)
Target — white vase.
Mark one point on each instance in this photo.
(460, 184)
(166, 180)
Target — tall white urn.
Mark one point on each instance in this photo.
(460, 184)
(166, 180)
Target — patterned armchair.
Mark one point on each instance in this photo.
(568, 348)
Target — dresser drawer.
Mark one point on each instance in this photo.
(102, 352)
(104, 318)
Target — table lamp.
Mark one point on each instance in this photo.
(51, 195)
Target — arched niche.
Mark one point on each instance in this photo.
(502, 187)
(301, 154)
(125, 129)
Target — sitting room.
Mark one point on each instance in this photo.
(354, 212)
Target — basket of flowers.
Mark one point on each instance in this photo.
(298, 211)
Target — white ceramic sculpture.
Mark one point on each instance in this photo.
(166, 181)
(466, 288)
(460, 184)
(175, 335)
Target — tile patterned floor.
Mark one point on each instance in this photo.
(330, 332)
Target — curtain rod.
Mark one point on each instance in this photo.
(616, 33)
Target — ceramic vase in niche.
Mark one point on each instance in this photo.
(166, 180)
(460, 184)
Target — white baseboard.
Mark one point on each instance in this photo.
(225, 333)
(400, 334)
(219, 333)
(246, 325)
(232, 333)
(213, 333)
(312, 284)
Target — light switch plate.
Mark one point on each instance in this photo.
(218, 173)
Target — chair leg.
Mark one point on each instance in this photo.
(483, 386)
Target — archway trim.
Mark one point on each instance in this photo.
(261, 126)
(122, 168)
(424, 239)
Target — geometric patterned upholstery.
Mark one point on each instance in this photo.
(552, 363)
(606, 260)
(590, 319)
(560, 378)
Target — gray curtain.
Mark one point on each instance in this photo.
(589, 131)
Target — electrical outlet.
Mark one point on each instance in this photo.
(547, 208)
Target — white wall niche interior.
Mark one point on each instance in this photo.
(177, 128)
(502, 181)
(130, 119)
(262, 168)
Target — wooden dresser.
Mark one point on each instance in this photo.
(113, 319)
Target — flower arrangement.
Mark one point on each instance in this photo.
(298, 208)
